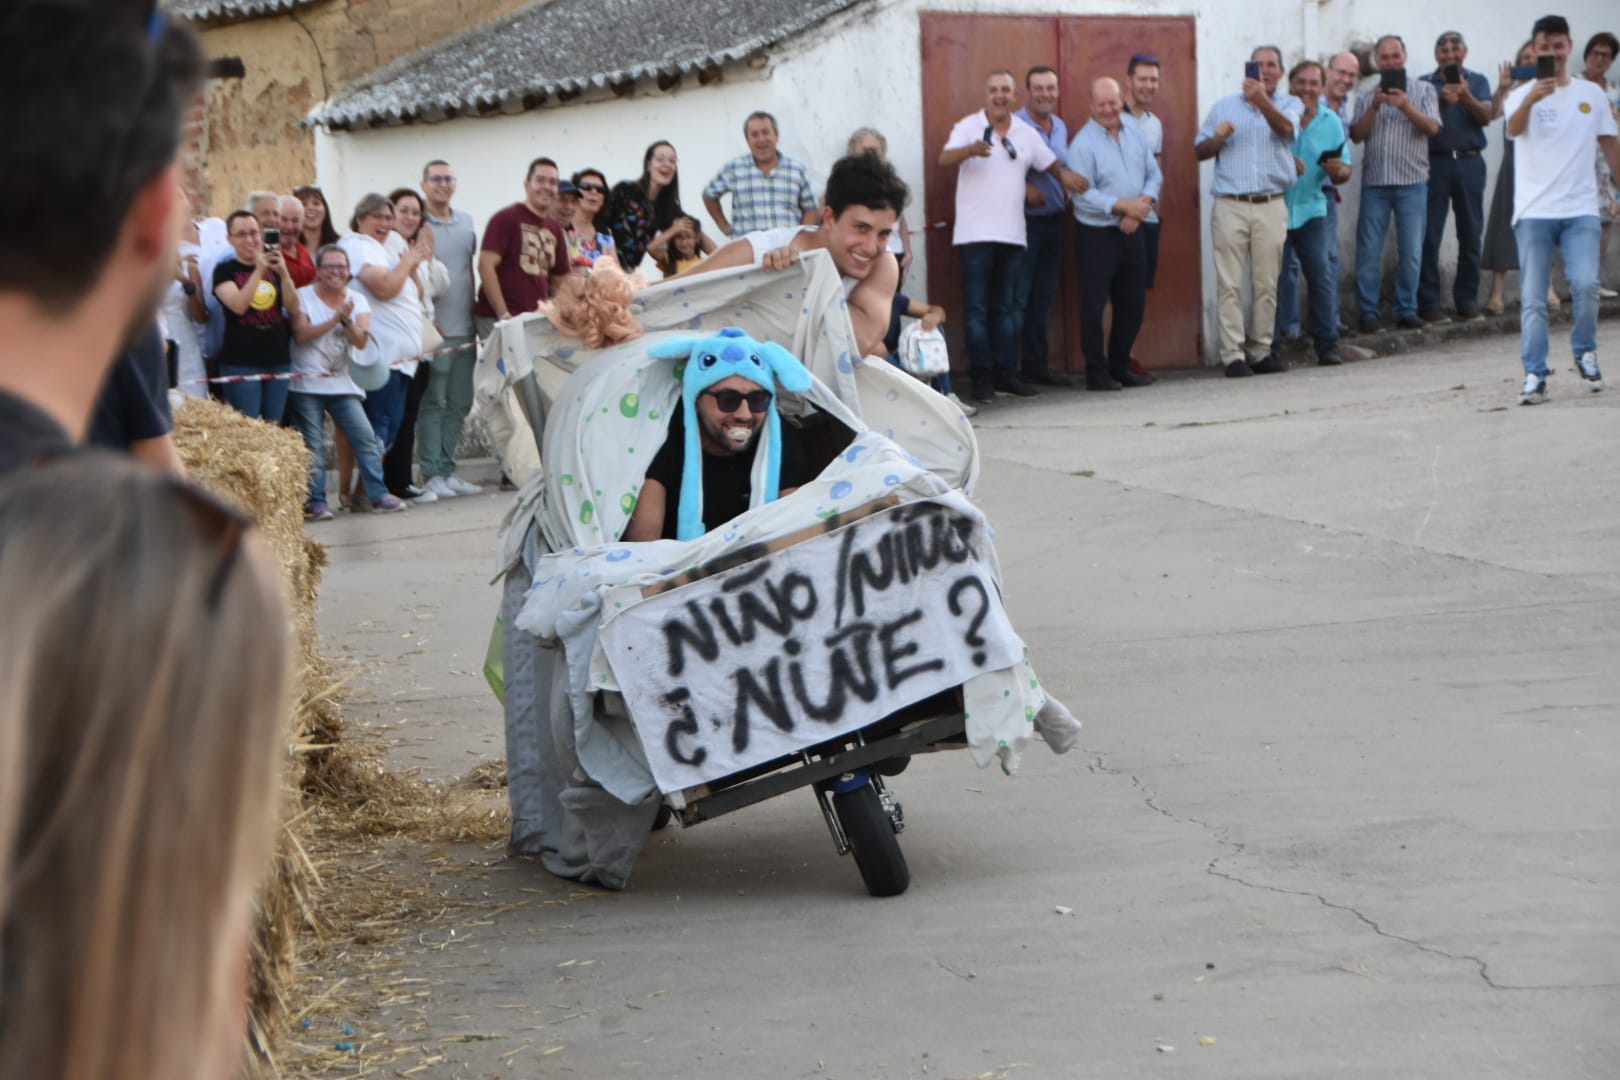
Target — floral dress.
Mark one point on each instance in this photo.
(630, 221)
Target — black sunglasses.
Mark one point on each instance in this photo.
(730, 401)
(1145, 58)
(600, 189)
(1012, 151)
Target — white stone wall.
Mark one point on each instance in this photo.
(864, 68)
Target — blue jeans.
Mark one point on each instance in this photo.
(306, 411)
(264, 399)
(1410, 205)
(1288, 320)
(1036, 288)
(1578, 240)
(989, 273)
(1334, 274)
(385, 408)
(1287, 297)
(1455, 184)
(1307, 248)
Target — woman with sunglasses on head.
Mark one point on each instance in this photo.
(387, 277)
(645, 215)
(411, 228)
(144, 724)
(587, 242)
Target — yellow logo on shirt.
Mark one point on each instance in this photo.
(264, 297)
(1586, 106)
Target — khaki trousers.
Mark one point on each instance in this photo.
(1247, 236)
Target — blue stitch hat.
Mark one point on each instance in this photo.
(710, 360)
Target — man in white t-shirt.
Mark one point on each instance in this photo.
(994, 151)
(1553, 124)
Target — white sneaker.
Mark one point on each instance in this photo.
(967, 410)
(1587, 365)
(1535, 390)
(423, 495)
(1607, 293)
(462, 487)
(437, 485)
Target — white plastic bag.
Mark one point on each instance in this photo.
(922, 352)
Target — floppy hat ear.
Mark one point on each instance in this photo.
(673, 348)
(789, 373)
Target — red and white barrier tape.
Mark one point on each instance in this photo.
(275, 376)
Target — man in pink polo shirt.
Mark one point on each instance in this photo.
(995, 150)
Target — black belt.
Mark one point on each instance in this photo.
(1454, 154)
(1252, 197)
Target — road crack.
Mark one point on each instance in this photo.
(1235, 848)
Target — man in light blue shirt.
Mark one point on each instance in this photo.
(1322, 153)
(1251, 137)
(1125, 181)
(1045, 200)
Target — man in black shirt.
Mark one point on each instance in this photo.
(727, 471)
(132, 414)
(93, 245)
(729, 397)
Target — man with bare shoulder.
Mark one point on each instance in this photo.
(862, 204)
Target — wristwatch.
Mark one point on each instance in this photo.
(188, 288)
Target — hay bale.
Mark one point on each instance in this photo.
(264, 470)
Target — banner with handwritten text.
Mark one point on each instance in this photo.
(811, 641)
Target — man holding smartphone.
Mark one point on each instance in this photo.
(1456, 179)
(1251, 136)
(1554, 123)
(1396, 120)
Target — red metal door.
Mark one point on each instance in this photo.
(958, 51)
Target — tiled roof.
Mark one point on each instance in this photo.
(215, 11)
(561, 48)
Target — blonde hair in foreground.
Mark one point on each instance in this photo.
(146, 727)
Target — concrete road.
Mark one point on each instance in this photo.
(1344, 642)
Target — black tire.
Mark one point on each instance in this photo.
(662, 819)
(872, 841)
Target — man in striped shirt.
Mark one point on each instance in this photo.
(1251, 137)
(769, 190)
(1396, 125)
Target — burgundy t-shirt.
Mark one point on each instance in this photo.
(532, 248)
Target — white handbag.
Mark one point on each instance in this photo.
(922, 352)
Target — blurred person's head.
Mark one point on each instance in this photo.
(96, 93)
(1305, 82)
(1041, 91)
(762, 134)
(1390, 53)
(540, 186)
(146, 770)
(1551, 37)
(1601, 49)
(593, 188)
(1269, 57)
(245, 236)
(266, 206)
(1142, 75)
(1343, 72)
(661, 180)
(868, 140)
(373, 217)
(407, 212)
(292, 219)
(317, 215)
(439, 184)
(1106, 102)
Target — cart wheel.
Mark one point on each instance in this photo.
(872, 841)
(663, 818)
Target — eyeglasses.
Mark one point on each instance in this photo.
(600, 189)
(1012, 151)
(729, 401)
(344, 267)
(440, 178)
(1145, 58)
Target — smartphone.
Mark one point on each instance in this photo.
(1546, 66)
(272, 239)
(1251, 70)
(1453, 73)
(1523, 73)
(1392, 80)
(1336, 152)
